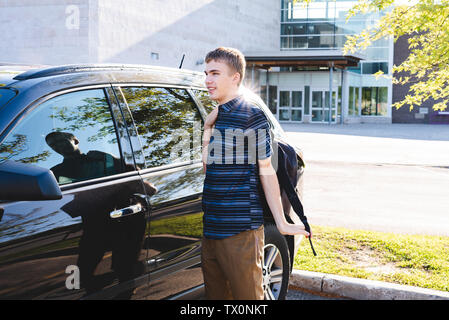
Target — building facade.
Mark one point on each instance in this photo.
(301, 92)
(294, 52)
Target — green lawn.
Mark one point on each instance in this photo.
(415, 260)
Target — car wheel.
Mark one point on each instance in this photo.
(276, 264)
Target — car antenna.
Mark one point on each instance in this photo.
(182, 60)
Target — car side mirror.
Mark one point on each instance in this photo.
(21, 181)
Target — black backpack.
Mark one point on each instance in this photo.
(287, 169)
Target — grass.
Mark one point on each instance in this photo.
(415, 260)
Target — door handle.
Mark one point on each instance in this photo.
(126, 211)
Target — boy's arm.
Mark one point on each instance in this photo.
(272, 192)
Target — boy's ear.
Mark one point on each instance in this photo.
(236, 77)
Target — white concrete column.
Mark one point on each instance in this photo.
(344, 95)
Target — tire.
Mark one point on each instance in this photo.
(276, 264)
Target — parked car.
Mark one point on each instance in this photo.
(101, 183)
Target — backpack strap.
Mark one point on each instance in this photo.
(292, 195)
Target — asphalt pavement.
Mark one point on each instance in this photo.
(404, 144)
(381, 177)
(384, 177)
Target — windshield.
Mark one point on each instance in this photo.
(6, 95)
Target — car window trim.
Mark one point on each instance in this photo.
(124, 108)
(106, 180)
(115, 103)
(149, 84)
(198, 103)
(172, 166)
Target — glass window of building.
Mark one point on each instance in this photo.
(322, 25)
(272, 93)
(354, 102)
(374, 101)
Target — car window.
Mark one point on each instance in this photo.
(72, 134)
(168, 123)
(203, 97)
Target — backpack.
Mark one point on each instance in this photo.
(287, 169)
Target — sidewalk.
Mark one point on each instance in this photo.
(322, 284)
(405, 145)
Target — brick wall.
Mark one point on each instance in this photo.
(419, 114)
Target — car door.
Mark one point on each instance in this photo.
(168, 125)
(90, 243)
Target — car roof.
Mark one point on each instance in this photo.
(9, 70)
(55, 78)
(115, 72)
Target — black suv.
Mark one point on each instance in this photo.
(101, 182)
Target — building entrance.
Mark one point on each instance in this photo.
(319, 100)
(290, 105)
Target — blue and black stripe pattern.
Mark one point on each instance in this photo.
(231, 202)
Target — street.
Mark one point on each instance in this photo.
(391, 198)
(383, 177)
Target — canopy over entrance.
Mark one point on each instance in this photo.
(307, 60)
(300, 58)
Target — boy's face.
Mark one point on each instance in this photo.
(221, 81)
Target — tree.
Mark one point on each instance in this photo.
(426, 24)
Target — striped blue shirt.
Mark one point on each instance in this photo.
(231, 202)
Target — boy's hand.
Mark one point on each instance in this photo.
(272, 192)
(292, 229)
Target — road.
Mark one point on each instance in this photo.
(392, 178)
(382, 197)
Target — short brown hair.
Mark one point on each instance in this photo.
(58, 135)
(232, 57)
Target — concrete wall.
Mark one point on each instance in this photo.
(155, 32)
(131, 30)
(44, 31)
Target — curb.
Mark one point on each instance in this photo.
(360, 289)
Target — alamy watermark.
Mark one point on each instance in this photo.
(73, 280)
(72, 20)
(233, 146)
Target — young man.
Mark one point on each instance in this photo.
(232, 246)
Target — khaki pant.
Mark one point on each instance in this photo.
(232, 267)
